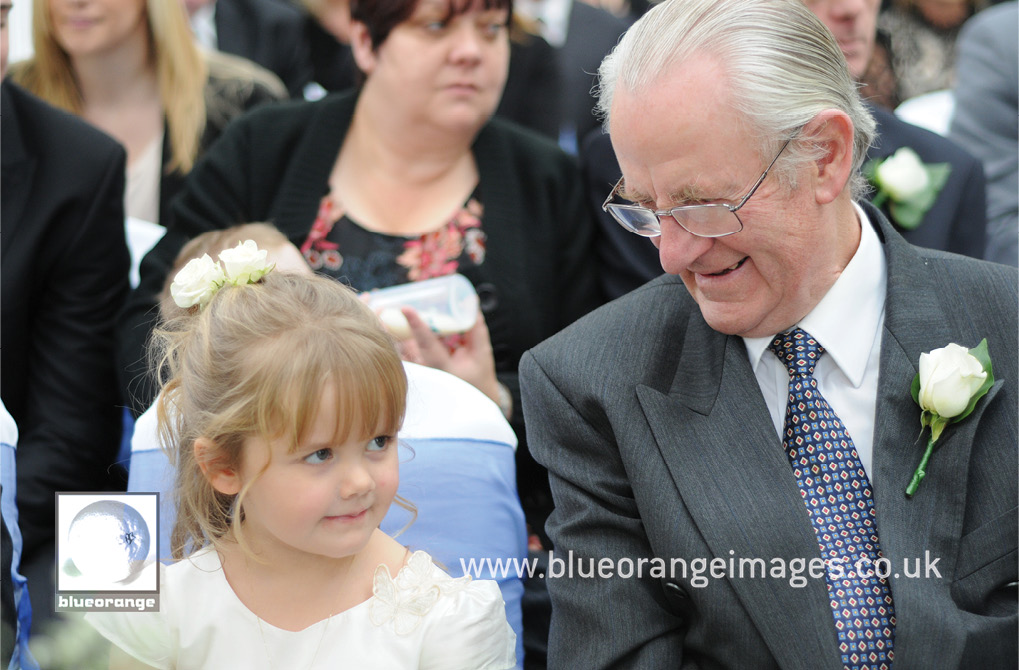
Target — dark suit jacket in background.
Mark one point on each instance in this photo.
(659, 443)
(332, 63)
(270, 33)
(591, 34)
(956, 222)
(533, 88)
(626, 260)
(64, 276)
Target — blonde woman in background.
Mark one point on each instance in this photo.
(132, 69)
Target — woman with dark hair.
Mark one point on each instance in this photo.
(408, 177)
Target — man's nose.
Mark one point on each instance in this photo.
(677, 247)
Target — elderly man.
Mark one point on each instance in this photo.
(729, 445)
(955, 219)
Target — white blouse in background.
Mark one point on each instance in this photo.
(141, 194)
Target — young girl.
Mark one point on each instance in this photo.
(281, 411)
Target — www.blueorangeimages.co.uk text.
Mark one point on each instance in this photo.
(700, 571)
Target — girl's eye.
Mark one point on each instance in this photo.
(320, 456)
(379, 443)
(492, 30)
(435, 26)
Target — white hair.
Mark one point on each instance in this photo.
(782, 63)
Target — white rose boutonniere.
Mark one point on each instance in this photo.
(950, 382)
(197, 282)
(908, 185)
(245, 263)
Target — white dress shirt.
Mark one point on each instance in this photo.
(848, 324)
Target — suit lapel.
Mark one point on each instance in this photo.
(720, 446)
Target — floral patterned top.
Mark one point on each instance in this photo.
(336, 245)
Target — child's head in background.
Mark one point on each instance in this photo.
(282, 252)
(286, 397)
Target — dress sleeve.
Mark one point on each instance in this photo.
(468, 631)
(142, 635)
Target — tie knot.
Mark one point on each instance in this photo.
(798, 350)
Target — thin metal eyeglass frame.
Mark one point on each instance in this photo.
(658, 214)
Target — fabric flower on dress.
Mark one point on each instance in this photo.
(405, 601)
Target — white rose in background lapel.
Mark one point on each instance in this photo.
(950, 382)
(245, 263)
(907, 184)
(902, 175)
(197, 282)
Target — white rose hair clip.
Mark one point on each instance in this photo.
(202, 277)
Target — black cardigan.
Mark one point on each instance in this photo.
(273, 164)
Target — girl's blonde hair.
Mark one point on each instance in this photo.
(253, 363)
(181, 72)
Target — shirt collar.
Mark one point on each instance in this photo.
(846, 320)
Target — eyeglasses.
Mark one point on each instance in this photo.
(713, 220)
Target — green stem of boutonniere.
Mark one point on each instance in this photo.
(937, 425)
(921, 470)
(879, 198)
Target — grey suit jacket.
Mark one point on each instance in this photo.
(986, 104)
(659, 444)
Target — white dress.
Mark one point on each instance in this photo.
(421, 619)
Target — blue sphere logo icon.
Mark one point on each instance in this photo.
(108, 540)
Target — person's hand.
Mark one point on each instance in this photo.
(473, 362)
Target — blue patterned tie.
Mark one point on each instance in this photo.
(837, 493)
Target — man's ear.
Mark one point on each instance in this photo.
(831, 132)
(223, 477)
(361, 47)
